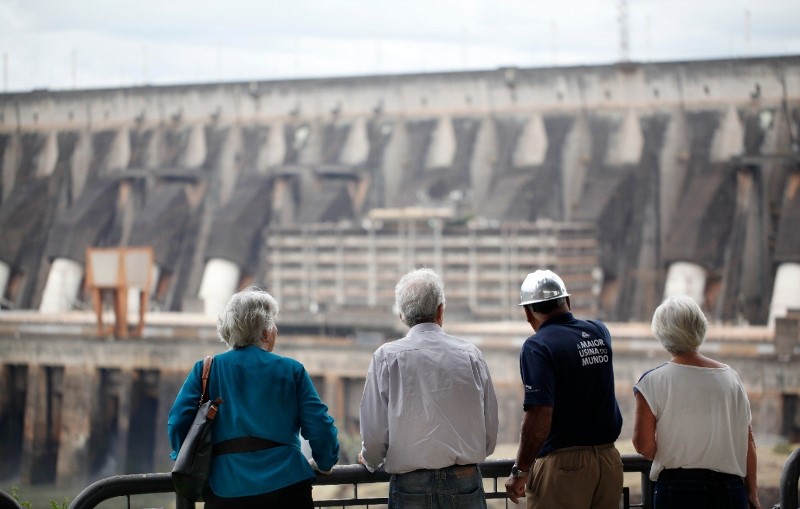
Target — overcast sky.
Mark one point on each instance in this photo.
(65, 44)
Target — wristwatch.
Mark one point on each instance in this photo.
(516, 472)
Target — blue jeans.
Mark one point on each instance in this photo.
(459, 486)
(699, 489)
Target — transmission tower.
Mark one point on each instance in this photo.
(624, 31)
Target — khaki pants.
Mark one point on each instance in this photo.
(576, 478)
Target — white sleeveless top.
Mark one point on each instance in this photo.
(702, 418)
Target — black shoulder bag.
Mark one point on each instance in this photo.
(191, 470)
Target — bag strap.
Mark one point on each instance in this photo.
(206, 373)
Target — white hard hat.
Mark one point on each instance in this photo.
(540, 286)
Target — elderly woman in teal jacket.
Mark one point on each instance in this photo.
(269, 402)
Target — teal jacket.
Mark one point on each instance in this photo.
(267, 396)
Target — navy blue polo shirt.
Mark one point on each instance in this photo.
(567, 364)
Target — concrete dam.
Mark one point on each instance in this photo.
(639, 179)
(633, 181)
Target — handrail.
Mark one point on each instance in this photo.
(141, 484)
(790, 480)
(122, 486)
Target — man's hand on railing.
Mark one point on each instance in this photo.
(515, 488)
(316, 468)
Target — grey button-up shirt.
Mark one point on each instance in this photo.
(428, 402)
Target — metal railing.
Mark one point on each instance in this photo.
(496, 471)
(355, 475)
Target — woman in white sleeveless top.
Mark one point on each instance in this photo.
(693, 420)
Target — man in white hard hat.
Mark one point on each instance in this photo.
(566, 457)
(429, 410)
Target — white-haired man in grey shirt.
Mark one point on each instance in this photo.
(429, 410)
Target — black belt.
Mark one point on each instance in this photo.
(697, 474)
(459, 470)
(579, 448)
(244, 444)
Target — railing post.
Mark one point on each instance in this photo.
(789, 480)
(183, 502)
(647, 491)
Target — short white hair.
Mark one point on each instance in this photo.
(418, 295)
(679, 324)
(247, 314)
